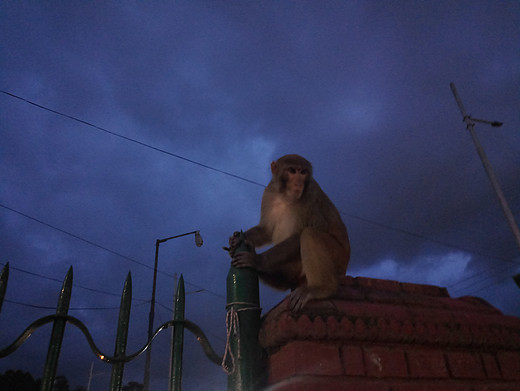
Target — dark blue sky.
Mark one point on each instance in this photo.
(360, 88)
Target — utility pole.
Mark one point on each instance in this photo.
(470, 125)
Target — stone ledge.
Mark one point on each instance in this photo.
(378, 335)
(392, 312)
(312, 383)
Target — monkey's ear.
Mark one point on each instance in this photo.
(274, 166)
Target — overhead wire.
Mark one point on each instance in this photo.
(141, 301)
(75, 284)
(478, 274)
(133, 140)
(507, 262)
(504, 272)
(43, 307)
(107, 249)
(422, 237)
(500, 281)
(77, 308)
(76, 236)
(200, 289)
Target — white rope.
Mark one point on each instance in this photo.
(233, 328)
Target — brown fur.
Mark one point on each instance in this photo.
(310, 240)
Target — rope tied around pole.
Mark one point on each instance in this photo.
(233, 328)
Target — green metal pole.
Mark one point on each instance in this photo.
(116, 380)
(243, 301)
(58, 329)
(3, 283)
(178, 338)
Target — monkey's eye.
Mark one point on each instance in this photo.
(292, 170)
(303, 172)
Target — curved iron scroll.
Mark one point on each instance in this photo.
(201, 337)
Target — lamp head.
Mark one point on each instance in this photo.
(198, 239)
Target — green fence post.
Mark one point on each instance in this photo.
(116, 380)
(243, 324)
(3, 283)
(178, 338)
(58, 329)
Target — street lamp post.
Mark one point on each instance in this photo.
(198, 242)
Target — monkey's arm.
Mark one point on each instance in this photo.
(262, 234)
(273, 259)
(258, 236)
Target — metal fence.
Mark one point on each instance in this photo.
(242, 359)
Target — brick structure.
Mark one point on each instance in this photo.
(380, 335)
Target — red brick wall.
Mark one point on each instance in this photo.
(386, 336)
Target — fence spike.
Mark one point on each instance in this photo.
(116, 380)
(61, 318)
(178, 338)
(58, 329)
(3, 283)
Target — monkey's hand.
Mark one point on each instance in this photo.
(245, 259)
(234, 241)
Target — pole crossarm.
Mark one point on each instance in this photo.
(495, 124)
(470, 125)
(199, 334)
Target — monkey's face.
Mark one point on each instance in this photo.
(296, 179)
(291, 175)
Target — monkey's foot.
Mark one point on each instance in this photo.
(303, 294)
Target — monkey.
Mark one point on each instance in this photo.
(311, 247)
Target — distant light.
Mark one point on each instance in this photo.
(198, 239)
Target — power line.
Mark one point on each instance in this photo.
(133, 140)
(106, 249)
(508, 262)
(385, 226)
(422, 237)
(142, 301)
(231, 175)
(76, 285)
(485, 271)
(43, 307)
(472, 292)
(77, 237)
(490, 273)
(199, 288)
